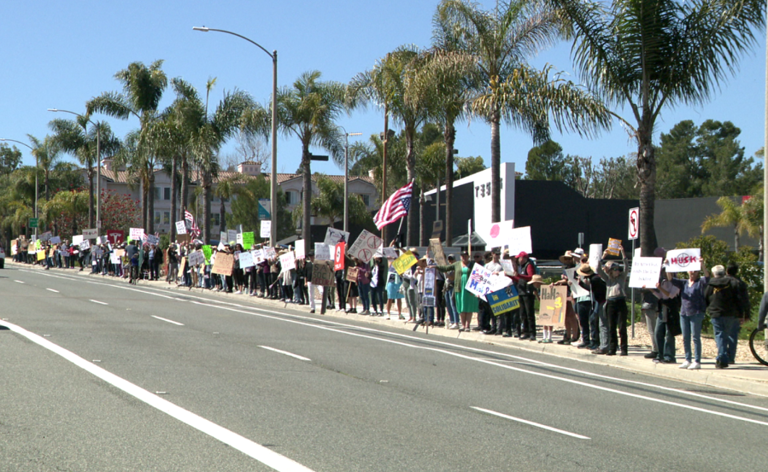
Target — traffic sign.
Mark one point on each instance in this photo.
(634, 223)
(33, 222)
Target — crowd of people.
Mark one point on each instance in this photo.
(596, 319)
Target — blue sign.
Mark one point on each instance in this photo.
(503, 300)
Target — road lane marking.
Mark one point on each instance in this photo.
(260, 453)
(52, 290)
(100, 303)
(18, 281)
(531, 423)
(286, 353)
(169, 321)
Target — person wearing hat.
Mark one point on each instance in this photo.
(598, 324)
(525, 270)
(571, 322)
(615, 279)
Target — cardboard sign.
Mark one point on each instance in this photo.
(223, 264)
(352, 275)
(265, 230)
(181, 227)
(334, 236)
(135, 233)
(288, 261)
(323, 252)
(40, 255)
(614, 247)
(645, 272)
(552, 305)
(436, 248)
(519, 240)
(246, 260)
(683, 260)
(299, 249)
(338, 256)
(404, 262)
(365, 246)
(90, 233)
(503, 300)
(182, 266)
(322, 273)
(595, 254)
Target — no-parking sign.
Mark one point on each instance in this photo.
(634, 223)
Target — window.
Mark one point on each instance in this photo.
(166, 217)
(291, 197)
(156, 193)
(215, 219)
(157, 215)
(167, 193)
(365, 198)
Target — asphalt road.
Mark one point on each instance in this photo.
(99, 375)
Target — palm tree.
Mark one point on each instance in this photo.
(650, 55)
(225, 189)
(308, 111)
(142, 90)
(67, 205)
(47, 154)
(741, 217)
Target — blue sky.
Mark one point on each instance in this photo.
(61, 54)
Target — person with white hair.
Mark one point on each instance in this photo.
(723, 304)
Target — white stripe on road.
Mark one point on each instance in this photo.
(100, 303)
(52, 290)
(18, 281)
(169, 321)
(538, 425)
(286, 353)
(260, 453)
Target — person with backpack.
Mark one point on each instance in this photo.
(525, 269)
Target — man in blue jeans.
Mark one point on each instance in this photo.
(723, 304)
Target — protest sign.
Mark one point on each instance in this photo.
(207, 251)
(196, 258)
(577, 291)
(364, 246)
(114, 258)
(77, 239)
(338, 256)
(231, 235)
(683, 260)
(223, 237)
(287, 261)
(258, 256)
(482, 282)
(614, 247)
(595, 254)
(85, 245)
(181, 227)
(182, 266)
(552, 305)
(223, 264)
(519, 240)
(55, 240)
(499, 233)
(269, 253)
(152, 239)
(645, 272)
(248, 240)
(299, 249)
(436, 248)
(239, 239)
(265, 229)
(404, 262)
(322, 252)
(428, 299)
(45, 236)
(509, 269)
(40, 255)
(102, 240)
(90, 233)
(322, 274)
(115, 236)
(352, 275)
(136, 233)
(503, 300)
(246, 260)
(390, 253)
(333, 236)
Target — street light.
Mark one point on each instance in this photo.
(273, 173)
(37, 166)
(98, 163)
(346, 178)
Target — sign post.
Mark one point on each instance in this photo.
(634, 230)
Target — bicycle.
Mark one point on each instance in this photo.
(759, 345)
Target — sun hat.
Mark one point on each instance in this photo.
(536, 279)
(522, 254)
(585, 270)
(566, 258)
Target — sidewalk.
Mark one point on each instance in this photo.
(745, 377)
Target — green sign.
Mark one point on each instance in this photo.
(207, 253)
(33, 222)
(248, 240)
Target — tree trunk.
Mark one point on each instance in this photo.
(222, 215)
(151, 203)
(144, 198)
(410, 159)
(646, 172)
(450, 140)
(421, 218)
(736, 238)
(495, 167)
(47, 181)
(207, 206)
(384, 196)
(184, 182)
(306, 200)
(174, 161)
(90, 195)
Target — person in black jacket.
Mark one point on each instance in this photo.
(723, 305)
(745, 311)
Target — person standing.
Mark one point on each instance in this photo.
(722, 296)
(745, 311)
(693, 307)
(466, 302)
(525, 270)
(615, 279)
(394, 282)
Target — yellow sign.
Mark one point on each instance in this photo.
(404, 262)
(40, 255)
(552, 307)
(614, 247)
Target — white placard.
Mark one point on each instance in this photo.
(322, 252)
(181, 227)
(136, 234)
(102, 240)
(114, 259)
(683, 260)
(299, 249)
(645, 272)
(90, 233)
(576, 290)
(499, 234)
(266, 229)
(389, 253)
(246, 260)
(595, 254)
(364, 246)
(239, 238)
(196, 258)
(152, 239)
(482, 281)
(258, 256)
(56, 240)
(333, 236)
(231, 235)
(45, 236)
(85, 245)
(223, 236)
(287, 262)
(77, 239)
(519, 240)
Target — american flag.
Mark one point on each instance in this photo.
(193, 227)
(395, 207)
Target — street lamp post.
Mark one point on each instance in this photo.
(273, 173)
(98, 163)
(37, 167)
(346, 178)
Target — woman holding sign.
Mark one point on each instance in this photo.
(466, 302)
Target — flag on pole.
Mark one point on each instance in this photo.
(193, 227)
(395, 207)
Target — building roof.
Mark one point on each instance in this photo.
(121, 176)
(335, 178)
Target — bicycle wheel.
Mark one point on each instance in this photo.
(757, 344)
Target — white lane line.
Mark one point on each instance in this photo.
(169, 321)
(52, 290)
(18, 281)
(100, 303)
(286, 353)
(531, 423)
(260, 453)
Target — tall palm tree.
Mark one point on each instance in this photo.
(142, 90)
(67, 205)
(740, 216)
(226, 189)
(653, 54)
(308, 111)
(47, 153)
